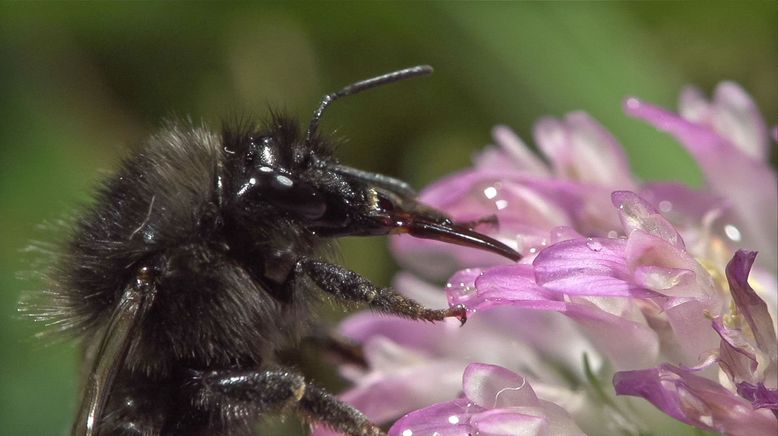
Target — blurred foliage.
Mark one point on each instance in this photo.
(79, 83)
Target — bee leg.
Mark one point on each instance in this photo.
(238, 394)
(350, 286)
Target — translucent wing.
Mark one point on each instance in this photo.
(115, 341)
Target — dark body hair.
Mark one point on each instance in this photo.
(163, 204)
(218, 307)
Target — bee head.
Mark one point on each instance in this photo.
(298, 177)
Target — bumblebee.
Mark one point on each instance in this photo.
(206, 253)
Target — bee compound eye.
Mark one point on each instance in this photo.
(296, 197)
(302, 201)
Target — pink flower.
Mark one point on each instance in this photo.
(639, 283)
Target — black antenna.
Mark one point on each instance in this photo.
(395, 76)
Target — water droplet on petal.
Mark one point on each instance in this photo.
(501, 204)
(593, 245)
(613, 234)
(453, 419)
(407, 432)
(460, 292)
(490, 192)
(665, 206)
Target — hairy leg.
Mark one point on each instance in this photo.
(237, 398)
(350, 286)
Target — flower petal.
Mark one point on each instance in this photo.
(695, 400)
(581, 149)
(638, 214)
(736, 117)
(412, 381)
(504, 285)
(503, 422)
(494, 387)
(662, 267)
(753, 308)
(446, 419)
(591, 266)
(749, 184)
(737, 357)
(516, 151)
(615, 327)
(497, 402)
(693, 105)
(759, 395)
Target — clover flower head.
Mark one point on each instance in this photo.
(626, 289)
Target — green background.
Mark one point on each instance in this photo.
(79, 83)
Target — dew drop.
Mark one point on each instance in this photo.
(453, 419)
(501, 204)
(593, 245)
(732, 232)
(460, 291)
(665, 206)
(407, 432)
(613, 234)
(490, 192)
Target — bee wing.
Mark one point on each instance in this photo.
(114, 343)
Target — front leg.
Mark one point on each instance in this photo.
(350, 286)
(238, 397)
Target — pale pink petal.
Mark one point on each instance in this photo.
(581, 149)
(599, 158)
(520, 155)
(694, 105)
(736, 117)
(664, 268)
(692, 331)
(383, 396)
(365, 325)
(494, 387)
(627, 343)
(553, 140)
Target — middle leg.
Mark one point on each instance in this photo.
(234, 400)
